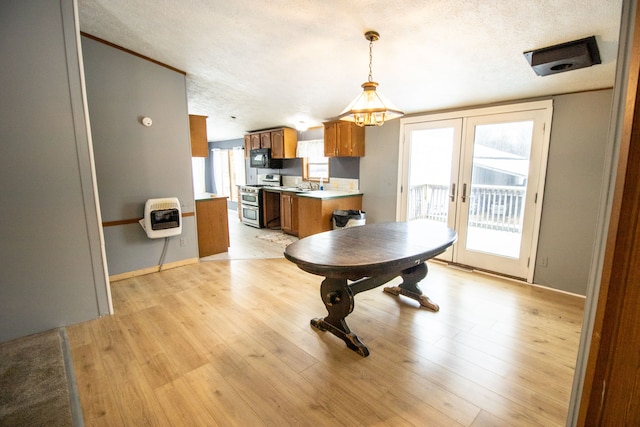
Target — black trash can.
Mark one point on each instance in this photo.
(347, 218)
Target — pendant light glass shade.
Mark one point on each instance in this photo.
(370, 108)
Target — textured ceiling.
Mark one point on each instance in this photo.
(255, 64)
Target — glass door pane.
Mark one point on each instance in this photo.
(433, 161)
(503, 166)
(500, 169)
(430, 174)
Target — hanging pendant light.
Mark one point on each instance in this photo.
(370, 108)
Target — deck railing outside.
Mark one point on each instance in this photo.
(490, 206)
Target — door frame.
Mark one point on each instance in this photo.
(404, 152)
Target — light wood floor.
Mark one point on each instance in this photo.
(228, 343)
(244, 242)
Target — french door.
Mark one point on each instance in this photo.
(482, 174)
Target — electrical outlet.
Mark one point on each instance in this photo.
(543, 261)
(183, 242)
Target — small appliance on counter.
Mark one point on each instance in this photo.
(162, 218)
(261, 158)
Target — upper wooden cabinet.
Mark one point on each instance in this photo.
(265, 140)
(255, 141)
(198, 132)
(283, 142)
(343, 139)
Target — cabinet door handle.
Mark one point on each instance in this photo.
(464, 192)
(453, 192)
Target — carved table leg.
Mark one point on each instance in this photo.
(409, 286)
(338, 299)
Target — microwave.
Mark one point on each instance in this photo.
(261, 158)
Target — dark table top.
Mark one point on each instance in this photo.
(370, 250)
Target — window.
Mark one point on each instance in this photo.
(314, 164)
(197, 166)
(227, 171)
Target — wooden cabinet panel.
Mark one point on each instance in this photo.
(289, 213)
(271, 209)
(198, 134)
(295, 216)
(255, 141)
(330, 139)
(316, 214)
(343, 139)
(213, 226)
(265, 140)
(277, 144)
(247, 145)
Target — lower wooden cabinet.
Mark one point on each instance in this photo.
(271, 209)
(289, 213)
(213, 226)
(316, 215)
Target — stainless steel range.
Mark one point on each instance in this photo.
(251, 199)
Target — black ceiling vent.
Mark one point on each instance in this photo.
(564, 57)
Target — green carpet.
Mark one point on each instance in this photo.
(35, 384)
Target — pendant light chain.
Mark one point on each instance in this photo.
(370, 60)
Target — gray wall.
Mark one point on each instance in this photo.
(50, 252)
(133, 162)
(571, 201)
(379, 172)
(572, 190)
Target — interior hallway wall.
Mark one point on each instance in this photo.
(135, 162)
(50, 251)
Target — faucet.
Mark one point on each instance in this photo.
(305, 185)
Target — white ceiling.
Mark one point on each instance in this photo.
(280, 62)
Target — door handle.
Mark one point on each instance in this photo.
(453, 192)
(464, 193)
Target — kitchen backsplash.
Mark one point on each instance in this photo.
(344, 184)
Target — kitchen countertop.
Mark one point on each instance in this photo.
(208, 196)
(315, 194)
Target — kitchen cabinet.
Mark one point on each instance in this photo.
(255, 141)
(198, 134)
(343, 139)
(283, 142)
(213, 225)
(316, 213)
(247, 145)
(271, 209)
(265, 140)
(289, 213)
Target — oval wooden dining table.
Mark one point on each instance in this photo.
(357, 259)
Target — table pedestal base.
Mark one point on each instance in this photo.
(351, 339)
(338, 297)
(409, 287)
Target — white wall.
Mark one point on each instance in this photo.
(50, 251)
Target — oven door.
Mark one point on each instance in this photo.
(252, 199)
(251, 215)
